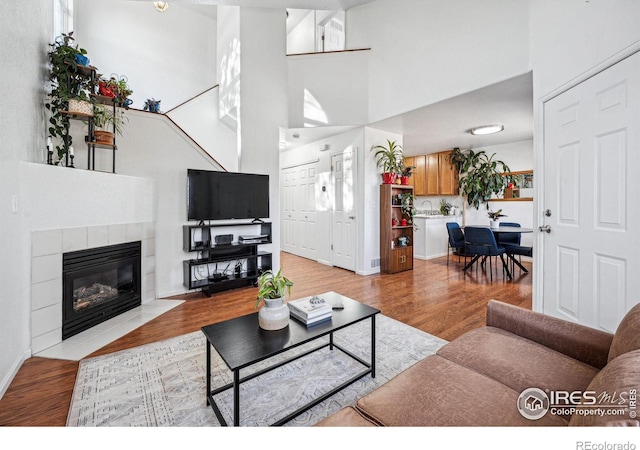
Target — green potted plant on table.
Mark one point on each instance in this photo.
(272, 288)
(389, 159)
(495, 217)
(69, 96)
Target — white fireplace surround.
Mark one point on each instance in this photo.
(47, 248)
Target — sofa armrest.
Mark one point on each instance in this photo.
(580, 342)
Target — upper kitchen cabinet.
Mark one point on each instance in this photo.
(433, 174)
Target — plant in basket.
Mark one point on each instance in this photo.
(108, 123)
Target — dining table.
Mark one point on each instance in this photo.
(504, 230)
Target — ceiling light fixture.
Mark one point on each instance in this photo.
(161, 6)
(487, 129)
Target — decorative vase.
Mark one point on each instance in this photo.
(403, 222)
(494, 224)
(274, 315)
(388, 178)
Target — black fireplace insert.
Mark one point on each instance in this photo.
(99, 284)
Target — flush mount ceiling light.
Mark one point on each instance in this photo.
(487, 129)
(161, 6)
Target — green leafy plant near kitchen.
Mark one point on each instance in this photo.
(68, 82)
(272, 285)
(495, 215)
(481, 177)
(389, 158)
(407, 207)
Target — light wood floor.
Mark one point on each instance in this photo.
(434, 297)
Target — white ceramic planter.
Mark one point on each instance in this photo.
(494, 224)
(274, 315)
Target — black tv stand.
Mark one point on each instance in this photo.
(257, 221)
(220, 267)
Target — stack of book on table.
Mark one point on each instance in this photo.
(310, 310)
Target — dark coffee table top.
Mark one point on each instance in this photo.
(241, 342)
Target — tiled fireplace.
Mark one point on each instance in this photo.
(48, 250)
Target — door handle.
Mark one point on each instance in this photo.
(352, 217)
(546, 229)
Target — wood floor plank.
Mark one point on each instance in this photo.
(434, 297)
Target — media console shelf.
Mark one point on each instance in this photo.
(223, 266)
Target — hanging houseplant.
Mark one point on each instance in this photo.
(69, 84)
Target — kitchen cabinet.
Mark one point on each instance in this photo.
(433, 174)
(431, 237)
(447, 175)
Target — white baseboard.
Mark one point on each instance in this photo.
(368, 272)
(6, 381)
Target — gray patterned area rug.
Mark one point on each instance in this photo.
(163, 384)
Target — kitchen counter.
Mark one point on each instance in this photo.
(431, 237)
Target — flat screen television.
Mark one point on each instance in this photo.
(215, 195)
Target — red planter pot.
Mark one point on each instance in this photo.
(388, 178)
(404, 180)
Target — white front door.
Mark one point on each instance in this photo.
(592, 198)
(343, 213)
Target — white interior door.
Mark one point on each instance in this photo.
(343, 211)
(289, 212)
(307, 218)
(591, 191)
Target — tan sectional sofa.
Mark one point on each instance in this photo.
(478, 379)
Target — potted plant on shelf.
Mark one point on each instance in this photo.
(389, 159)
(108, 123)
(405, 172)
(69, 89)
(116, 88)
(274, 315)
(481, 176)
(407, 207)
(495, 217)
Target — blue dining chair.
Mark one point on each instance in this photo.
(481, 242)
(511, 242)
(456, 241)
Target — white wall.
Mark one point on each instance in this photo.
(328, 89)
(228, 64)
(424, 51)
(168, 56)
(263, 102)
(302, 38)
(156, 150)
(571, 36)
(199, 119)
(25, 28)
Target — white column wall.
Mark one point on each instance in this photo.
(25, 28)
(169, 56)
(263, 102)
(424, 51)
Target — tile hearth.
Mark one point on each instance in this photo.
(82, 344)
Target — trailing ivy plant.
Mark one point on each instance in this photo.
(481, 177)
(67, 82)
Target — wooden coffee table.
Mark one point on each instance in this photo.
(241, 343)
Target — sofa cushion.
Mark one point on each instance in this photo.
(626, 337)
(620, 380)
(346, 417)
(517, 362)
(438, 392)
